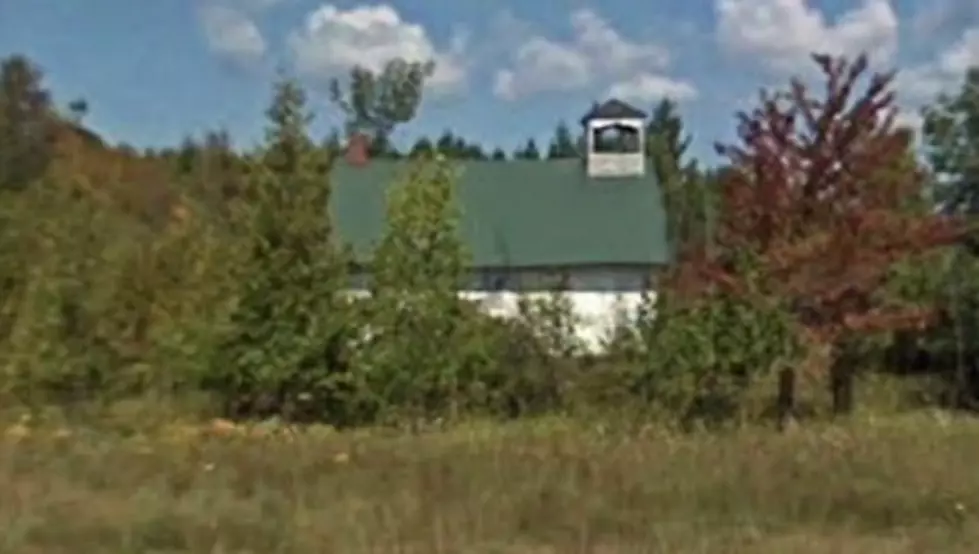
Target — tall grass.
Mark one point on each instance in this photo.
(901, 485)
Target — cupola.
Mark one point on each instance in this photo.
(615, 140)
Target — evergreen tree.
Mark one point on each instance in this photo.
(448, 145)
(27, 123)
(563, 144)
(474, 151)
(950, 135)
(687, 195)
(185, 158)
(282, 355)
(423, 146)
(332, 145)
(381, 147)
(951, 138)
(77, 110)
(529, 151)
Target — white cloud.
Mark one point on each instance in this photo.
(231, 30)
(232, 33)
(646, 87)
(923, 82)
(541, 65)
(782, 34)
(596, 52)
(334, 40)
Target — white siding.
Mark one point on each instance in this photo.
(615, 165)
(600, 297)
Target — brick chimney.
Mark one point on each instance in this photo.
(357, 150)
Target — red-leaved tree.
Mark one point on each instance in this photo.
(818, 194)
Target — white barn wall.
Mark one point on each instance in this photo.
(601, 297)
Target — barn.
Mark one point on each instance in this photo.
(594, 225)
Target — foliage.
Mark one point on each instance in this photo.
(221, 271)
(451, 146)
(666, 141)
(541, 356)
(563, 145)
(529, 151)
(951, 137)
(807, 195)
(414, 359)
(704, 359)
(377, 102)
(422, 147)
(812, 195)
(98, 304)
(210, 171)
(291, 326)
(688, 197)
(27, 123)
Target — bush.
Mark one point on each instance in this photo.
(414, 362)
(534, 359)
(98, 305)
(705, 359)
(286, 346)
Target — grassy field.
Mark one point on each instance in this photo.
(903, 484)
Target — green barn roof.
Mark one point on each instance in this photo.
(522, 213)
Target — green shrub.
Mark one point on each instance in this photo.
(100, 306)
(702, 359)
(284, 351)
(414, 365)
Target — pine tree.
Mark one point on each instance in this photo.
(282, 355)
(423, 146)
(563, 145)
(950, 135)
(448, 145)
(529, 151)
(687, 195)
(951, 138)
(27, 123)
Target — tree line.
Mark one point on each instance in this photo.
(564, 144)
(814, 256)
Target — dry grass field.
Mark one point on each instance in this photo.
(898, 485)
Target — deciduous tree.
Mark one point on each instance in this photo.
(375, 103)
(412, 362)
(813, 220)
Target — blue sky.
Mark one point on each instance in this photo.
(154, 71)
